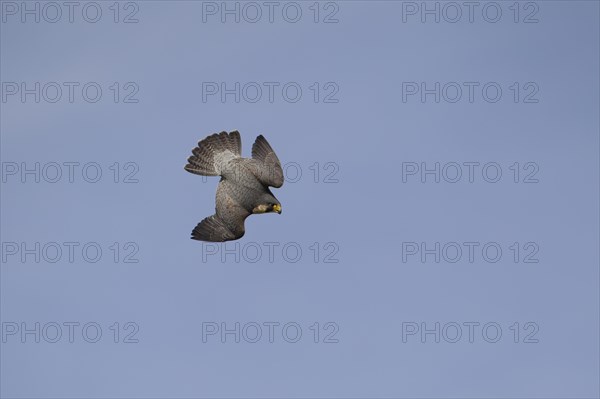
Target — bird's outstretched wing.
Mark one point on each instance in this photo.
(212, 155)
(228, 221)
(212, 229)
(267, 168)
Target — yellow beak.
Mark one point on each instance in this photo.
(277, 208)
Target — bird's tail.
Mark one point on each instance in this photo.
(212, 154)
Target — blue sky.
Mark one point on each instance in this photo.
(355, 248)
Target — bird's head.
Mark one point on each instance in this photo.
(268, 204)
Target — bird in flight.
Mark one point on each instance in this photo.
(244, 186)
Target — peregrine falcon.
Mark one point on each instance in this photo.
(244, 186)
